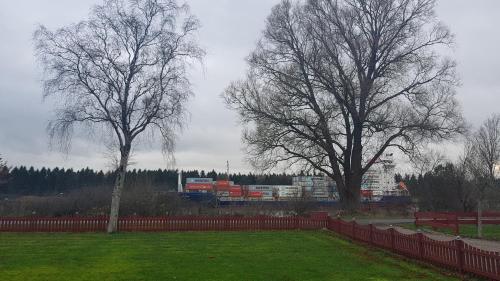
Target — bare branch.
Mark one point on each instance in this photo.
(334, 84)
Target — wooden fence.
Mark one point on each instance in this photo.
(454, 255)
(453, 220)
(438, 220)
(164, 223)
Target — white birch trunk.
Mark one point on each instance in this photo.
(117, 193)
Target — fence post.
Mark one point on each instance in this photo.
(371, 234)
(420, 237)
(31, 225)
(459, 243)
(391, 231)
(226, 223)
(353, 228)
(457, 225)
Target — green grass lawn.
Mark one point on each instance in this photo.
(289, 255)
(491, 232)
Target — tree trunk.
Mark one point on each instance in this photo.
(352, 198)
(479, 220)
(353, 174)
(349, 191)
(117, 191)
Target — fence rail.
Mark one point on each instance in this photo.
(454, 255)
(453, 220)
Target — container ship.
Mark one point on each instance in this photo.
(314, 188)
(378, 185)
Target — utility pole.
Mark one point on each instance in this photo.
(227, 169)
(179, 182)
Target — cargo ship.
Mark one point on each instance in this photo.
(319, 189)
(378, 186)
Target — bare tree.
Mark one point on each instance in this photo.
(123, 70)
(483, 156)
(4, 172)
(465, 187)
(334, 83)
(427, 161)
(3, 163)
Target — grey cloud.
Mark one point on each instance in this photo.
(230, 29)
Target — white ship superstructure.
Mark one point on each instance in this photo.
(379, 180)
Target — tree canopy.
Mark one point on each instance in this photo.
(332, 85)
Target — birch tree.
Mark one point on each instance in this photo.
(124, 70)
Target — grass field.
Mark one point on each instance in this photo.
(491, 232)
(199, 256)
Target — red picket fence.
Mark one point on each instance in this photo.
(487, 217)
(454, 255)
(164, 223)
(453, 220)
(438, 220)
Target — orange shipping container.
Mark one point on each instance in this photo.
(222, 183)
(254, 194)
(235, 188)
(199, 186)
(366, 193)
(222, 187)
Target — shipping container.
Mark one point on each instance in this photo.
(199, 186)
(225, 199)
(366, 193)
(199, 180)
(223, 193)
(267, 193)
(224, 183)
(235, 194)
(261, 187)
(235, 188)
(254, 194)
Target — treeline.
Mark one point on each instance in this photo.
(448, 187)
(45, 181)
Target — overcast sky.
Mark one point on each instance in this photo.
(229, 31)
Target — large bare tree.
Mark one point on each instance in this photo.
(482, 159)
(333, 84)
(124, 70)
